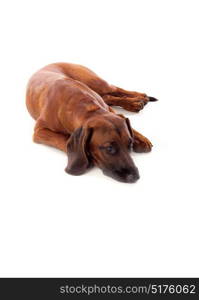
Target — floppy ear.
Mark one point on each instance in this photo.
(129, 127)
(78, 161)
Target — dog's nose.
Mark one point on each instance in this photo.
(132, 178)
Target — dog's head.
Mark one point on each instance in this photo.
(106, 142)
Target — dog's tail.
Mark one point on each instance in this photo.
(152, 99)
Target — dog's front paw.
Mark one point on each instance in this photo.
(142, 144)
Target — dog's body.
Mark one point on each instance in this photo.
(71, 106)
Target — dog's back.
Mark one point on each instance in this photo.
(55, 92)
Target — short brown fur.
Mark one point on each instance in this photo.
(72, 109)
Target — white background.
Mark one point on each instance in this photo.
(54, 224)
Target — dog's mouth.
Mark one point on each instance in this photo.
(123, 170)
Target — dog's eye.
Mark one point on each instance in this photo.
(111, 149)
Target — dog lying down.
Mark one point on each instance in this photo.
(72, 107)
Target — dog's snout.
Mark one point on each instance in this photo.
(132, 175)
(131, 178)
(128, 175)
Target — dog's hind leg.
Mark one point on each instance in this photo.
(131, 104)
(112, 95)
(118, 92)
(96, 83)
(131, 101)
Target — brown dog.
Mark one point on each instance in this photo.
(71, 106)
